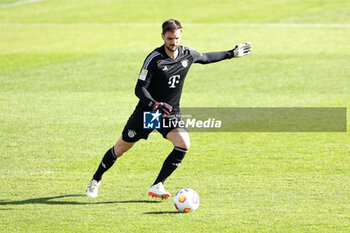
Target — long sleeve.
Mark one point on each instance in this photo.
(145, 77)
(205, 58)
(142, 93)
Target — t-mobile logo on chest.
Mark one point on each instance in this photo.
(173, 81)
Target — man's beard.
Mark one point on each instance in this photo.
(170, 49)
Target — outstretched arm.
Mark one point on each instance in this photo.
(239, 51)
(205, 58)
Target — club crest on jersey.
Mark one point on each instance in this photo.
(184, 63)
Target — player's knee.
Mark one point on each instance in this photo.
(185, 144)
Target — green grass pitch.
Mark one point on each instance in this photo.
(67, 76)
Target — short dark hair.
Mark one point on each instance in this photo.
(171, 25)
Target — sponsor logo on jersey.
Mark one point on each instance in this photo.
(165, 68)
(143, 74)
(173, 81)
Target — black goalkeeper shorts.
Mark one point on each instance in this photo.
(134, 128)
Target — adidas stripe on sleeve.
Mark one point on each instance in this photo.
(145, 67)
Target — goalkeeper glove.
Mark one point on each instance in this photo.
(163, 108)
(242, 49)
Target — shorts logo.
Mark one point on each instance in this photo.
(151, 120)
(131, 133)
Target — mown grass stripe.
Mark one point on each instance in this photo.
(18, 3)
(283, 25)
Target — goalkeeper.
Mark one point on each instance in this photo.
(159, 89)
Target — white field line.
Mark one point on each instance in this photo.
(18, 3)
(286, 25)
(254, 25)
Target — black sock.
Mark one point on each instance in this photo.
(108, 160)
(171, 163)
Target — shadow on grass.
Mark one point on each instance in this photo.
(53, 201)
(164, 212)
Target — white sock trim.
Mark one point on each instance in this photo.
(180, 149)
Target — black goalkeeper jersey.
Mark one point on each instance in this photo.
(161, 78)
